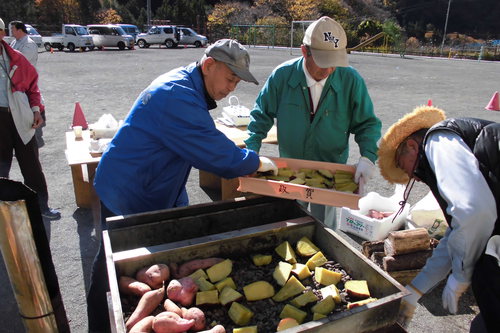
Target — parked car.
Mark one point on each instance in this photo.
(169, 35)
(72, 36)
(33, 34)
(130, 29)
(191, 37)
(110, 35)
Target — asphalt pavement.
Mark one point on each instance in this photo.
(109, 81)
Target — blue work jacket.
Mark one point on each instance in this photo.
(168, 130)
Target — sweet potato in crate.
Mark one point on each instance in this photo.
(229, 229)
(288, 190)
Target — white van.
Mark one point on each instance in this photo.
(110, 35)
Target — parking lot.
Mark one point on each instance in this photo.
(109, 81)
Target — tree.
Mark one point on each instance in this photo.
(105, 16)
(302, 10)
(335, 9)
(50, 12)
(186, 12)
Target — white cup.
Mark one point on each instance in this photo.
(94, 145)
(78, 132)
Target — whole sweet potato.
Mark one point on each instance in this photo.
(182, 290)
(145, 325)
(190, 266)
(170, 322)
(198, 316)
(148, 302)
(153, 276)
(215, 329)
(130, 286)
(170, 306)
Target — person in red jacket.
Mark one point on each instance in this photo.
(20, 104)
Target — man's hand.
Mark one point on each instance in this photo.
(365, 169)
(37, 119)
(266, 164)
(408, 306)
(452, 292)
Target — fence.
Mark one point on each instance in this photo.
(252, 34)
(280, 36)
(456, 52)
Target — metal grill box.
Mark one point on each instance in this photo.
(242, 226)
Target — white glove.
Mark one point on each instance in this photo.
(408, 306)
(452, 292)
(365, 169)
(266, 164)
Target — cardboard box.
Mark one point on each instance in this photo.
(302, 192)
(358, 223)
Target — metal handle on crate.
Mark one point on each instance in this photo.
(237, 101)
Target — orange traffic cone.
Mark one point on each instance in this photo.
(494, 104)
(78, 117)
(429, 102)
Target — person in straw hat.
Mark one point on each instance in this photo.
(318, 101)
(459, 159)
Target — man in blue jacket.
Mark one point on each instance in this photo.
(318, 102)
(168, 131)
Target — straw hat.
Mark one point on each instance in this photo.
(421, 117)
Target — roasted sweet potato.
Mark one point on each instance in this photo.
(190, 266)
(154, 275)
(182, 290)
(215, 329)
(169, 322)
(148, 302)
(130, 286)
(198, 316)
(145, 325)
(170, 306)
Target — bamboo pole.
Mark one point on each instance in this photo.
(24, 269)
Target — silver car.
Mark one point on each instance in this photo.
(191, 37)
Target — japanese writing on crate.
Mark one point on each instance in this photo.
(282, 189)
(309, 192)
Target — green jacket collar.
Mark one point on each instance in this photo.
(298, 77)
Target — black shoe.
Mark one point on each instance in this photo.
(51, 214)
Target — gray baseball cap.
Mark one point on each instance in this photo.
(234, 55)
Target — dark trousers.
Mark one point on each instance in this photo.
(26, 155)
(486, 288)
(97, 303)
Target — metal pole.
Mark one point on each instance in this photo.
(445, 25)
(23, 267)
(149, 13)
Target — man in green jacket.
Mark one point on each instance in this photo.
(318, 102)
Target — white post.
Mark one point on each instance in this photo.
(445, 25)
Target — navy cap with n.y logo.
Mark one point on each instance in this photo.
(327, 41)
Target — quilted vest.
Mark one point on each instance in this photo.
(483, 139)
